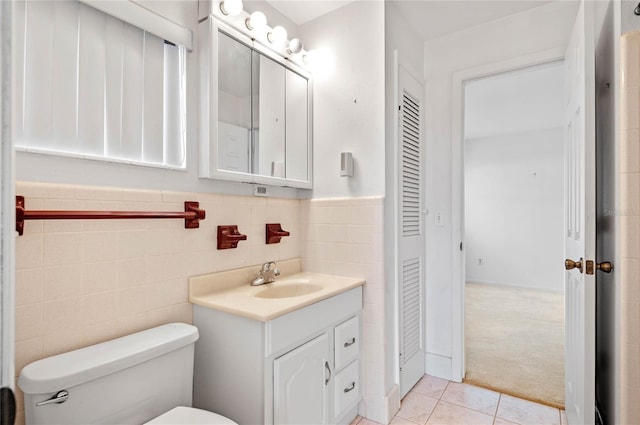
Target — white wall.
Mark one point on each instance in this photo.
(57, 169)
(514, 187)
(537, 30)
(348, 104)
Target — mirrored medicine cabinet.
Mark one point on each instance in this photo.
(256, 121)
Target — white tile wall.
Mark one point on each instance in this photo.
(345, 237)
(629, 208)
(80, 282)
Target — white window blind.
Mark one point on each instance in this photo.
(91, 85)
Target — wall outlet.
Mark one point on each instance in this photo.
(480, 261)
(438, 218)
(260, 191)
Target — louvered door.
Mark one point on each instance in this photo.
(411, 231)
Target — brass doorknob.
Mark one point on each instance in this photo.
(605, 266)
(570, 264)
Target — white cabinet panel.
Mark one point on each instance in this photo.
(300, 380)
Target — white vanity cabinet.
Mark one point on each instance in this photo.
(299, 368)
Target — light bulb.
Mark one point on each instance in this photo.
(295, 46)
(256, 21)
(277, 36)
(231, 7)
(320, 62)
(311, 58)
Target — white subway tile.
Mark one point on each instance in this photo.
(630, 151)
(630, 193)
(62, 314)
(132, 301)
(99, 277)
(29, 251)
(630, 108)
(100, 332)
(62, 248)
(165, 267)
(183, 313)
(131, 244)
(62, 341)
(62, 282)
(28, 351)
(99, 308)
(45, 190)
(29, 286)
(160, 316)
(29, 321)
(57, 226)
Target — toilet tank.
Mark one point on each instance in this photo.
(128, 380)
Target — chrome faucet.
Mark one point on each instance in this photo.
(267, 274)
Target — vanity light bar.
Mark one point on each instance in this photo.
(255, 26)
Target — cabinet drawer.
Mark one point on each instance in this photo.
(347, 342)
(347, 389)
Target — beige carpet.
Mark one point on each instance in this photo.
(514, 341)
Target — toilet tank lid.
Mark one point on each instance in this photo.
(85, 364)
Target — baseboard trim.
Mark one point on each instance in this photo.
(381, 409)
(511, 285)
(438, 366)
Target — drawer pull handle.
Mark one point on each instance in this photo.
(350, 343)
(350, 388)
(326, 365)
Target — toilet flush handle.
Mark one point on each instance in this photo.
(59, 397)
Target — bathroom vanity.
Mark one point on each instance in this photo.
(275, 359)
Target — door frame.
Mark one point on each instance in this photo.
(7, 221)
(458, 81)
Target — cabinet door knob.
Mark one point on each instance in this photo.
(350, 387)
(326, 365)
(350, 343)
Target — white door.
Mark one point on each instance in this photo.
(301, 382)
(580, 221)
(411, 240)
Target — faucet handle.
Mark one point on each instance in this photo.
(267, 266)
(276, 271)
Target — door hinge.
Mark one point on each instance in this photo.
(460, 246)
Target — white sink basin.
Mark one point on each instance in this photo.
(230, 291)
(288, 290)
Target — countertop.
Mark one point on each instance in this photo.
(230, 291)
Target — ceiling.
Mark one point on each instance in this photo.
(430, 18)
(515, 102)
(302, 11)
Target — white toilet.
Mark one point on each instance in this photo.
(146, 377)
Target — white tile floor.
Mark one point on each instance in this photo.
(437, 401)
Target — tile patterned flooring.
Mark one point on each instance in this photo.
(437, 401)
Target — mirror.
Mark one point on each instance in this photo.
(258, 127)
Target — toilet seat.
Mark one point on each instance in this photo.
(190, 415)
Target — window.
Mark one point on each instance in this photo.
(91, 85)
